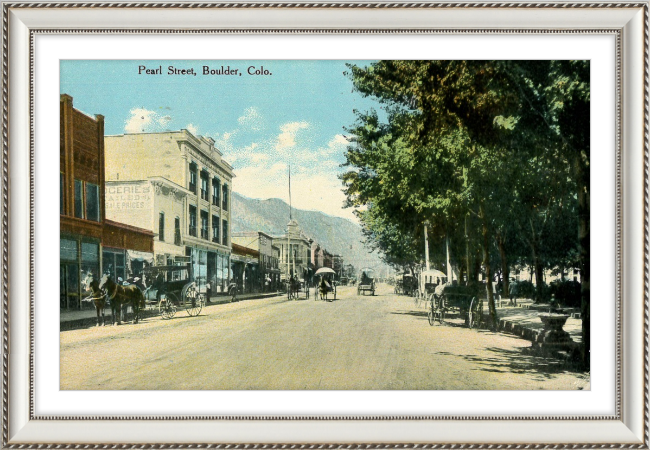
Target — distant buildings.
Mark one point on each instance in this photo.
(295, 252)
(89, 243)
(187, 200)
(268, 273)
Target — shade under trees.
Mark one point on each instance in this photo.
(494, 155)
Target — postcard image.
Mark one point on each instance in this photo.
(324, 225)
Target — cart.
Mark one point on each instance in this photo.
(172, 289)
(366, 282)
(460, 299)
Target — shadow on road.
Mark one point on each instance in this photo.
(411, 313)
(520, 361)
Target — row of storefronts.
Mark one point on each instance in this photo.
(133, 203)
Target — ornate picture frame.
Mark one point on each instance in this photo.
(627, 427)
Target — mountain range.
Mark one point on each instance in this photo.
(338, 235)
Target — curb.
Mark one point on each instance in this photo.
(566, 356)
(89, 322)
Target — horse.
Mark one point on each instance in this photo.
(98, 297)
(122, 295)
(323, 288)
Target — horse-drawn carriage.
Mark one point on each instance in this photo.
(326, 283)
(366, 282)
(406, 284)
(447, 298)
(297, 289)
(173, 288)
(427, 282)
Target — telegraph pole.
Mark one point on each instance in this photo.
(426, 244)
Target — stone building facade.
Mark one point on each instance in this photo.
(190, 186)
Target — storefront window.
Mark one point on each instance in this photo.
(89, 259)
(68, 250)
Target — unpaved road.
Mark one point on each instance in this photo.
(356, 342)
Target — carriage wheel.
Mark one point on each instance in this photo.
(194, 305)
(441, 316)
(166, 306)
(431, 317)
(193, 302)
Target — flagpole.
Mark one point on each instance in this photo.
(288, 228)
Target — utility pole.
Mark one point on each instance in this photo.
(426, 244)
(466, 252)
(289, 227)
(449, 272)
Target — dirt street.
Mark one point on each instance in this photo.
(355, 342)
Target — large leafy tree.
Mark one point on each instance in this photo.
(504, 143)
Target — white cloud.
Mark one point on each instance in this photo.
(192, 129)
(142, 121)
(164, 121)
(251, 119)
(287, 137)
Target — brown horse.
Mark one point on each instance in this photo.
(98, 297)
(122, 296)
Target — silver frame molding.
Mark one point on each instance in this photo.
(627, 428)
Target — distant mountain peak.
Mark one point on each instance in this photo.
(337, 235)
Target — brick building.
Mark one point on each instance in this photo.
(85, 234)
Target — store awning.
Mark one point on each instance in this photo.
(135, 255)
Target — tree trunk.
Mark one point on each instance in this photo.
(488, 270)
(582, 177)
(505, 270)
(537, 264)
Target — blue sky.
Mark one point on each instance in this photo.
(261, 123)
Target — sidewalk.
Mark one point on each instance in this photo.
(523, 320)
(70, 320)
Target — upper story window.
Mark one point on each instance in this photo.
(78, 199)
(215, 229)
(216, 191)
(86, 200)
(204, 186)
(61, 198)
(192, 230)
(92, 202)
(161, 227)
(225, 197)
(225, 232)
(193, 170)
(177, 231)
(204, 225)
